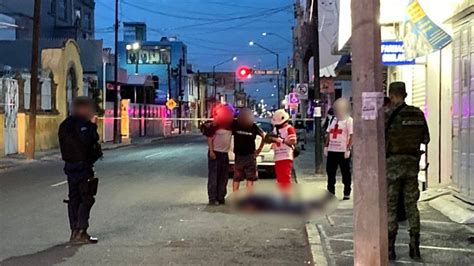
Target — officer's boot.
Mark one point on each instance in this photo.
(415, 246)
(83, 237)
(391, 246)
(73, 234)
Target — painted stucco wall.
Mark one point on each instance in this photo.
(59, 61)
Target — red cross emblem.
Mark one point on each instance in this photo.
(335, 131)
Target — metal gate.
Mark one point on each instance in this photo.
(10, 88)
(463, 110)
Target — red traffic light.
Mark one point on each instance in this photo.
(244, 72)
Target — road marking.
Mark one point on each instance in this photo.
(314, 241)
(421, 246)
(60, 183)
(152, 155)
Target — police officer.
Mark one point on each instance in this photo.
(405, 130)
(80, 149)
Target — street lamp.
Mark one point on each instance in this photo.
(136, 48)
(234, 58)
(276, 35)
(253, 43)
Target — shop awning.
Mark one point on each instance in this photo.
(140, 79)
(329, 71)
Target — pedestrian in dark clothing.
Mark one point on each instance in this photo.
(405, 130)
(80, 149)
(245, 132)
(219, 135)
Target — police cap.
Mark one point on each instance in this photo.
(398, 88)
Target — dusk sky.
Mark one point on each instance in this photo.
(213, 30)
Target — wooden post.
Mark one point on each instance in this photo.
(370, 192)
(318, 139)
(30, 150)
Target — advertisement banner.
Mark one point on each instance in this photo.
(150, 55)
(421, 35)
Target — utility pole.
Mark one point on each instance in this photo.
(30, 151)
(278, 81)
(117, 134)
(318, 141)
(180, 94)
(370, 195)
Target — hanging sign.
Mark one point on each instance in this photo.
(421, 35)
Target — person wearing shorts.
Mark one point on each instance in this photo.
(245, 132)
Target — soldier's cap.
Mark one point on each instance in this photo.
(398, 88)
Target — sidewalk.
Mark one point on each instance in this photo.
(443, 242)
(54, 154)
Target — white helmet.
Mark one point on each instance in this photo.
(280, 117)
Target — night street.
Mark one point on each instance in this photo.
(345, 128)
(150, 209)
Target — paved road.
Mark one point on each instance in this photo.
(151, 210)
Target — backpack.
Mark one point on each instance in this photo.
(406, 130)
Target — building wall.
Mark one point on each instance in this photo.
(53, 25)
(434, 73)
(178, 51)
(438, 111)
(463, 101)
(59, 61)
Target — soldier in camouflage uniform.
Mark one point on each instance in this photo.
(406, 129)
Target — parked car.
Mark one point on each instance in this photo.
(265, 161)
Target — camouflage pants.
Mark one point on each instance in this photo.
(408, 189)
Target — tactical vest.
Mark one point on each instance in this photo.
(73, 150)
(406, 131)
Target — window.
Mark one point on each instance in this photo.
(46, 94)
(62, 9)
(88, 22)
(52, 8)
(26, 91)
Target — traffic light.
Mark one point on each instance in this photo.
(244, 72)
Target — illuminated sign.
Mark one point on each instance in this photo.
(150, 55)
(393, 53)
(293, 98)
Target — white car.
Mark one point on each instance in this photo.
(265, 162)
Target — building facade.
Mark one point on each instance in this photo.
(60, 19)
(438, 75)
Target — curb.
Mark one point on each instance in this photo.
(454, 209)
(315, 245)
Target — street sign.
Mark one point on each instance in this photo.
(265, 72)
(302, 90)
(171, 104)
(293, 98)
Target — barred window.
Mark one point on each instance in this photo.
(46, 94)
(26, 91)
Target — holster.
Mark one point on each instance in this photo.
(93, 185)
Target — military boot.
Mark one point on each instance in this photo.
(415, 246)
(73, 234)
(82, 237)
(391, 246)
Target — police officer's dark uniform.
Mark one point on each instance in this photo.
(80, 149)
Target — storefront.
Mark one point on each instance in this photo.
(463, 101)
(426, 66)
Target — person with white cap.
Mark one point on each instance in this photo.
(338, 147)
(284, 141)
